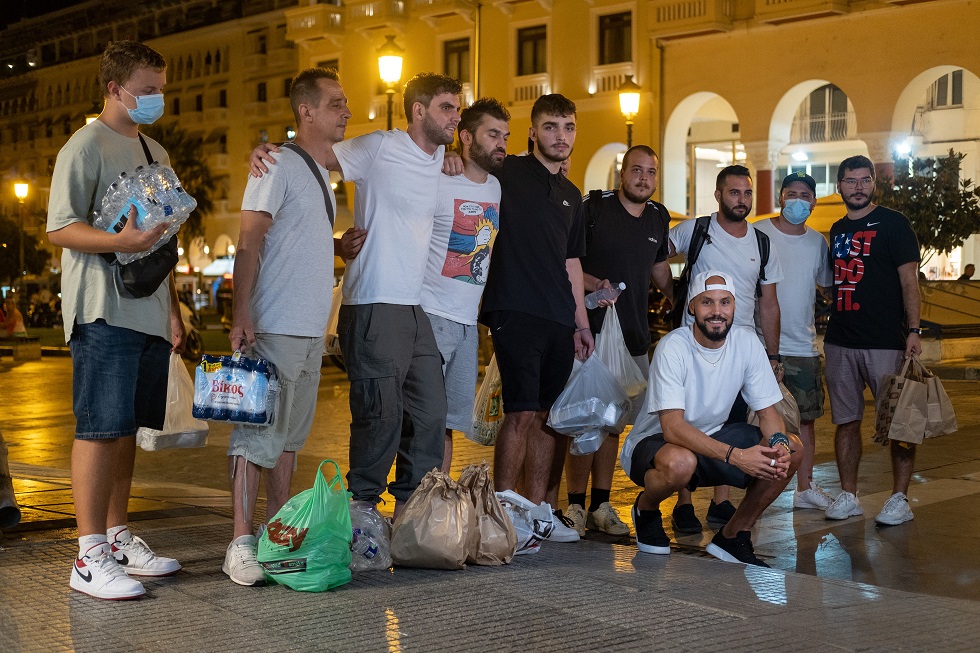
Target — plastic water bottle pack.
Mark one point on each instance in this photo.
(158, 197)
(236, 389)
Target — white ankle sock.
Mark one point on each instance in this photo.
(119, 534)
(88, 543)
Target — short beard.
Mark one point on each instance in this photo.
(434, 134)
(730, 214)
(552, 157)
(636, 199)
(854, 206)
(713, 337)
(484, 158)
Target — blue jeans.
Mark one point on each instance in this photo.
(120, 380)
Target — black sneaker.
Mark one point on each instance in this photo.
(649, 528)
(720, 513)
(684, 519)
(735, 549)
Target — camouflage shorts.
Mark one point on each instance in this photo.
(804, 378)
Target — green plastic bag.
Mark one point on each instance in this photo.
(307, 545)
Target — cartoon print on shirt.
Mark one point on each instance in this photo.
(849, 250)
(474, 230)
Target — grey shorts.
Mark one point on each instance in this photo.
(298, 360)
(849, 371)
(804, 380)
(458, 345)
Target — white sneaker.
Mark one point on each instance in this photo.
(844, 506)
(563, 531)
(241, 563)
(896, 511)
(576, 515)
(812, 497)
(139, 560)
(606, 520)
(98, 574)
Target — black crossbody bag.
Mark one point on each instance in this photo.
(142, 277)
(316, 173)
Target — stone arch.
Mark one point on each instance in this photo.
(602, 162)
(221, 245)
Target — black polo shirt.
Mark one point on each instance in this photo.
(624, 248)
(541, 225)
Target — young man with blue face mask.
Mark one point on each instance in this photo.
(804, 257)
(120, 346)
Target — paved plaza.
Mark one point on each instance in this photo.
(834, 585)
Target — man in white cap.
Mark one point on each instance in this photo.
(681, 440)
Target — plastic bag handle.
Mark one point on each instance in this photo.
(337, 478)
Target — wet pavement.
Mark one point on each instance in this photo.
(844, 584)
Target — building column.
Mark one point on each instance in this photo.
(880, 152)
(764, 159)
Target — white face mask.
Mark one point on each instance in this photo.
(796, 211)
(148, 109)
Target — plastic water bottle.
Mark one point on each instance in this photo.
(362, 544)
(592, 299)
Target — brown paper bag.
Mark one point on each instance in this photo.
(941, 419)
(900, 409)
(787, 409)
(492, 537)
(432, 530)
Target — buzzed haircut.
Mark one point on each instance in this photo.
(643, 149)
(731, 171)
(123, 58)
(554, 104)
(425, 86)
(471, 117)
(304, 89)
(854, 163)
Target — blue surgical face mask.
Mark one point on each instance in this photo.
(796, 211)
(148, 109)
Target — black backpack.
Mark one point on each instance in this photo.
(698, 239)
(595, 197)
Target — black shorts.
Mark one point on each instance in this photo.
(534, 356)
(709, 472)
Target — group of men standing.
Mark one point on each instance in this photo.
(440, 243)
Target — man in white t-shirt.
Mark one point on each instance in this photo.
(683, 440)
(466, 223)
(397, 393)
(283, 269)
(731, 245)
(805, 258)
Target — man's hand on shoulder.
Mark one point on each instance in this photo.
(351, 243)
(260, 157)
(452, 164)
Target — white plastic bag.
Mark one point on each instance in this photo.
(331, 340)
(532, 523)
(593, 399)
(371, 541)
(611, 349)
(180, 430)
(488, 411)
(589, 442)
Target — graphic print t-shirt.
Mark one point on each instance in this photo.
(463, 234)
(868, 311)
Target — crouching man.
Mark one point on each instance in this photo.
(682, 440)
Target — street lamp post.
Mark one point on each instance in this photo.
(20, 190)
(629, 105)
(390, 69)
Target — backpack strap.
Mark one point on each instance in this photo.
(764, 245)
(146, 150)
(316, 173)
(698, 239)
(595, 198)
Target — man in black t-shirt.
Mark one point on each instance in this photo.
(533, 302)
(627, 235)
(874, 323)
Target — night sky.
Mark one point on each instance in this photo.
(14, 10)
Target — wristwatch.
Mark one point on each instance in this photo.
(916, 330)
(776, 357)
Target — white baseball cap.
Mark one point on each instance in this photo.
(700, 283)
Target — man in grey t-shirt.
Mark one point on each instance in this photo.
(283, 270)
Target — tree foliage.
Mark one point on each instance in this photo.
(35, 257)
(944, 210)
(188, 160)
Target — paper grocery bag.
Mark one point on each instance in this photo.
(492, 538)
(433, 529)
(901, 406)
(787, 409)
(941, 419)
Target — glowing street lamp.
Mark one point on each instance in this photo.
(20, 191)
(390, 69)
(629, 105)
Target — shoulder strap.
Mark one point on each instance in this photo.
(763, 241)
(146, 149)
(698, 238)
(316, 173)
(595, 198)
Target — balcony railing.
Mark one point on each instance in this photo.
(280, 106)
(314, 22)
(256, 109)
(377, 14)
(677, 18)
(781, 11)
(282, 58)
(608, 78)
(216, 114)
(824, 128)
(254, 62)
(528, 88)
(431, 10)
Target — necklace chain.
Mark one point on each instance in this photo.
(712, 363)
